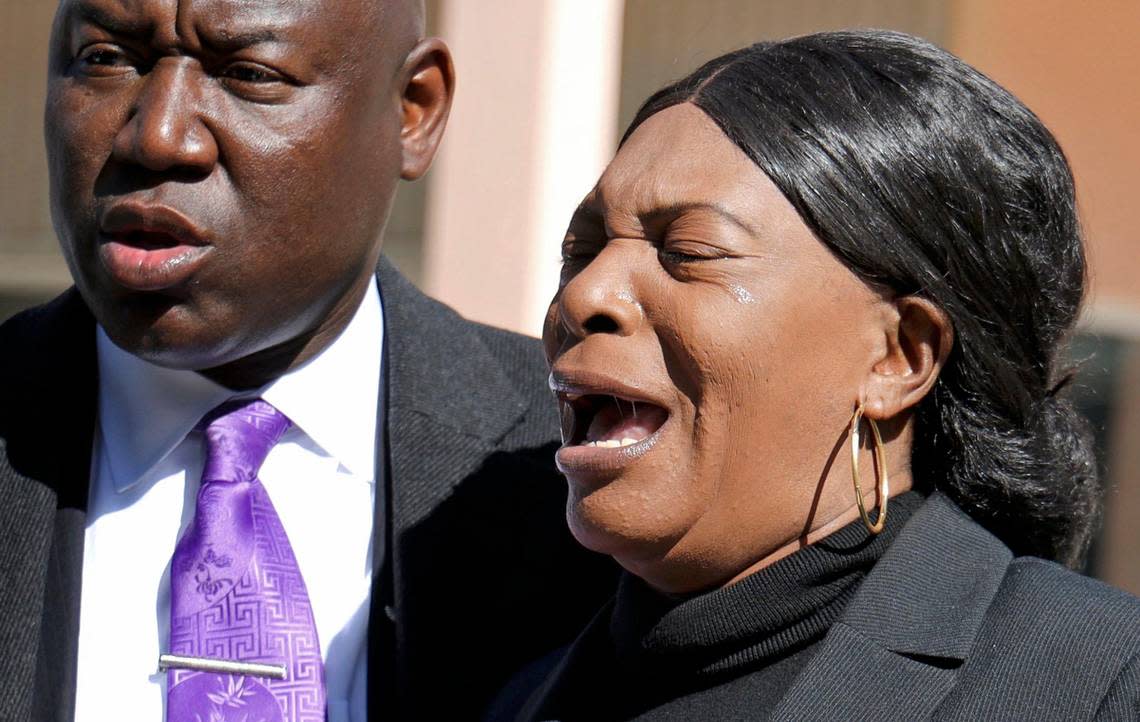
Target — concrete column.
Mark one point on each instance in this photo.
(534, 123)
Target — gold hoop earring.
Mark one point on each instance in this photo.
(879, 456)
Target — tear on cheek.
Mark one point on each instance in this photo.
(742, 294)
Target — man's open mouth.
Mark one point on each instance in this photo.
(147, 247)
(146, 240)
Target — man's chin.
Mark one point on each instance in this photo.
(228, 341)
(164, 333)
(180, 354)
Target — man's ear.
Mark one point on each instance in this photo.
(919, 337)
(425, 104)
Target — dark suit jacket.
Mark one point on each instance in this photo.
(479, 575)
(948, 626)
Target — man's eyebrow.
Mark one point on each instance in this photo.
(115, 23)
(107, 20)
(242, 38)
(671, 210)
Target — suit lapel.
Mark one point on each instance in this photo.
(895, 652)
(47, 415)
(26, 530)
(448, 404)
(448, 399)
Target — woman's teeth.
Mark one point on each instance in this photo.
(611, 443)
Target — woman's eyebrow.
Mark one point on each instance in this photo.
(587, 214)
(672, 210)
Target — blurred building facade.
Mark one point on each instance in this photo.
(545, 87)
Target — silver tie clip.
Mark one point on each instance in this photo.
(221, 666)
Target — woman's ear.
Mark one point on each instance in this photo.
(425, 103)
(919, 337)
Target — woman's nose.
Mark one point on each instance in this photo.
(165, 130)
(601, 297)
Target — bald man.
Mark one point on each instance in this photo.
(246, 468)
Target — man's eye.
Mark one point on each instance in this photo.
(101, 58)
(250, 73)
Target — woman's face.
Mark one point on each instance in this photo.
(707, 351)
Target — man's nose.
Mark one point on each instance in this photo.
(165, 130)
(601, 298)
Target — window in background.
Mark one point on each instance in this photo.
(1107, 391)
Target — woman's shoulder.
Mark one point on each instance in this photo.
(1017, 637)
(1052, 606)
(1032, 598)
(1053, 644)
(1066, 589)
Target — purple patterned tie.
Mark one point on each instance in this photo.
(236, 592)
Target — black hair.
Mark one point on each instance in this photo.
(925, 177)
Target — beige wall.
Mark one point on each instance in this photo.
(666, 39)
(531, 130)
(1077, 65)
(29, 261)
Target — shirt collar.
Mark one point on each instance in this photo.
(146, 410)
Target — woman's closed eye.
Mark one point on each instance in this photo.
(576, 255)
(673, 253)
(674, 256)
(577, 251)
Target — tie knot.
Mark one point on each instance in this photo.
(239, 435)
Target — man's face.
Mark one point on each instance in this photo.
(222, 170)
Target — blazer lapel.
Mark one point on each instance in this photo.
(895, 653)
(448, 404)
(47, 415)
(448, 399)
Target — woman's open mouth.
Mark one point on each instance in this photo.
(607, 421)
(604, 428)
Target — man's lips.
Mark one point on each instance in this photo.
(606, 423)
(150, 247)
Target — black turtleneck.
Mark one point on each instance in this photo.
(726, 654)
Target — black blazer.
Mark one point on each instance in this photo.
(480, 574)
(947, 626)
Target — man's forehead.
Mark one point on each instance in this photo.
(412, 7)
(260, 8)
(225, 15)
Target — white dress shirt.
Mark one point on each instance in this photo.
(146, 468)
